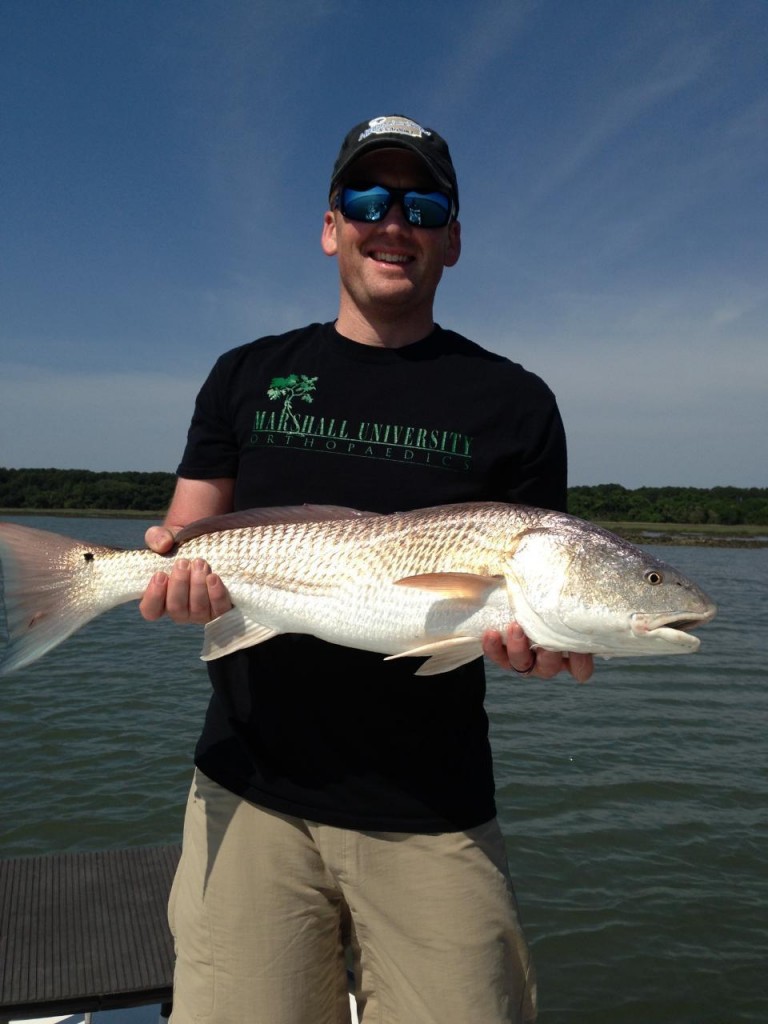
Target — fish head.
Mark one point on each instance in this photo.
(582, 588)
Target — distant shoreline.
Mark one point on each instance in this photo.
(709, 535)
(88, 513)
(691, 536)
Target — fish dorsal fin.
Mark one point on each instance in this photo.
(453, 585)
(443, 655)
(270, 517)
(231, 632)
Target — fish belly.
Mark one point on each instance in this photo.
(383, 617)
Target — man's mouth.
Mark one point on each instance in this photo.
(391, 257)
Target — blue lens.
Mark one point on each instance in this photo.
(422, 209)
(370, 204)
(427, 209)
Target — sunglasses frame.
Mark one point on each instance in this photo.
(392, 195)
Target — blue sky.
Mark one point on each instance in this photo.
(165, 167)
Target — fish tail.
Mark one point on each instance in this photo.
(46, 592)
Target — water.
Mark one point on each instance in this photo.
(634, 807)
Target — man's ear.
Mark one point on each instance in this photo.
(453, 246)
(328, 237)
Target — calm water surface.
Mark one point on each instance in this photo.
(634, 807)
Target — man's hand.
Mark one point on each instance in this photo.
(511, 649)
(191, 593)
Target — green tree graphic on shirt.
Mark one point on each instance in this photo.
(296, 386)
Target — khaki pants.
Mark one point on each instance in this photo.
(264, 904)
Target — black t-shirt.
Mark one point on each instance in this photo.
(326, 732)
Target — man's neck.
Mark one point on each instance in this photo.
(381, 331)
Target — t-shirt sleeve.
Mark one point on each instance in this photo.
(540, 476)
(545, 472)
(212, 449)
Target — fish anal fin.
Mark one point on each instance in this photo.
(443, 655)
(232, 632)
(465, 586)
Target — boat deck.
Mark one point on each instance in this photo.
(84, 932)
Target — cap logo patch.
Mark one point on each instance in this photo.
(394, 126)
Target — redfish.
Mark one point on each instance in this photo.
(425, 583)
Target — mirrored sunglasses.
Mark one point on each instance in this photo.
(422, 209)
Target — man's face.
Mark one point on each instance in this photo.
(390, 267)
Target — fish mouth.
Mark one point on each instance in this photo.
(672, 626)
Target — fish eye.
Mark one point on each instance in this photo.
(653, 576)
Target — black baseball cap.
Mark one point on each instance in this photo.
(395, 131)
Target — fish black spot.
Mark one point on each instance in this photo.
(89, 556)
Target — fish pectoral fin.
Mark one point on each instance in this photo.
(465, 586)
(443, 655)
(231, 632)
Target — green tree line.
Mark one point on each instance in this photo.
(66, 489)
(83, 489)
(696, 506)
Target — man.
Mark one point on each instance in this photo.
(339, 802)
